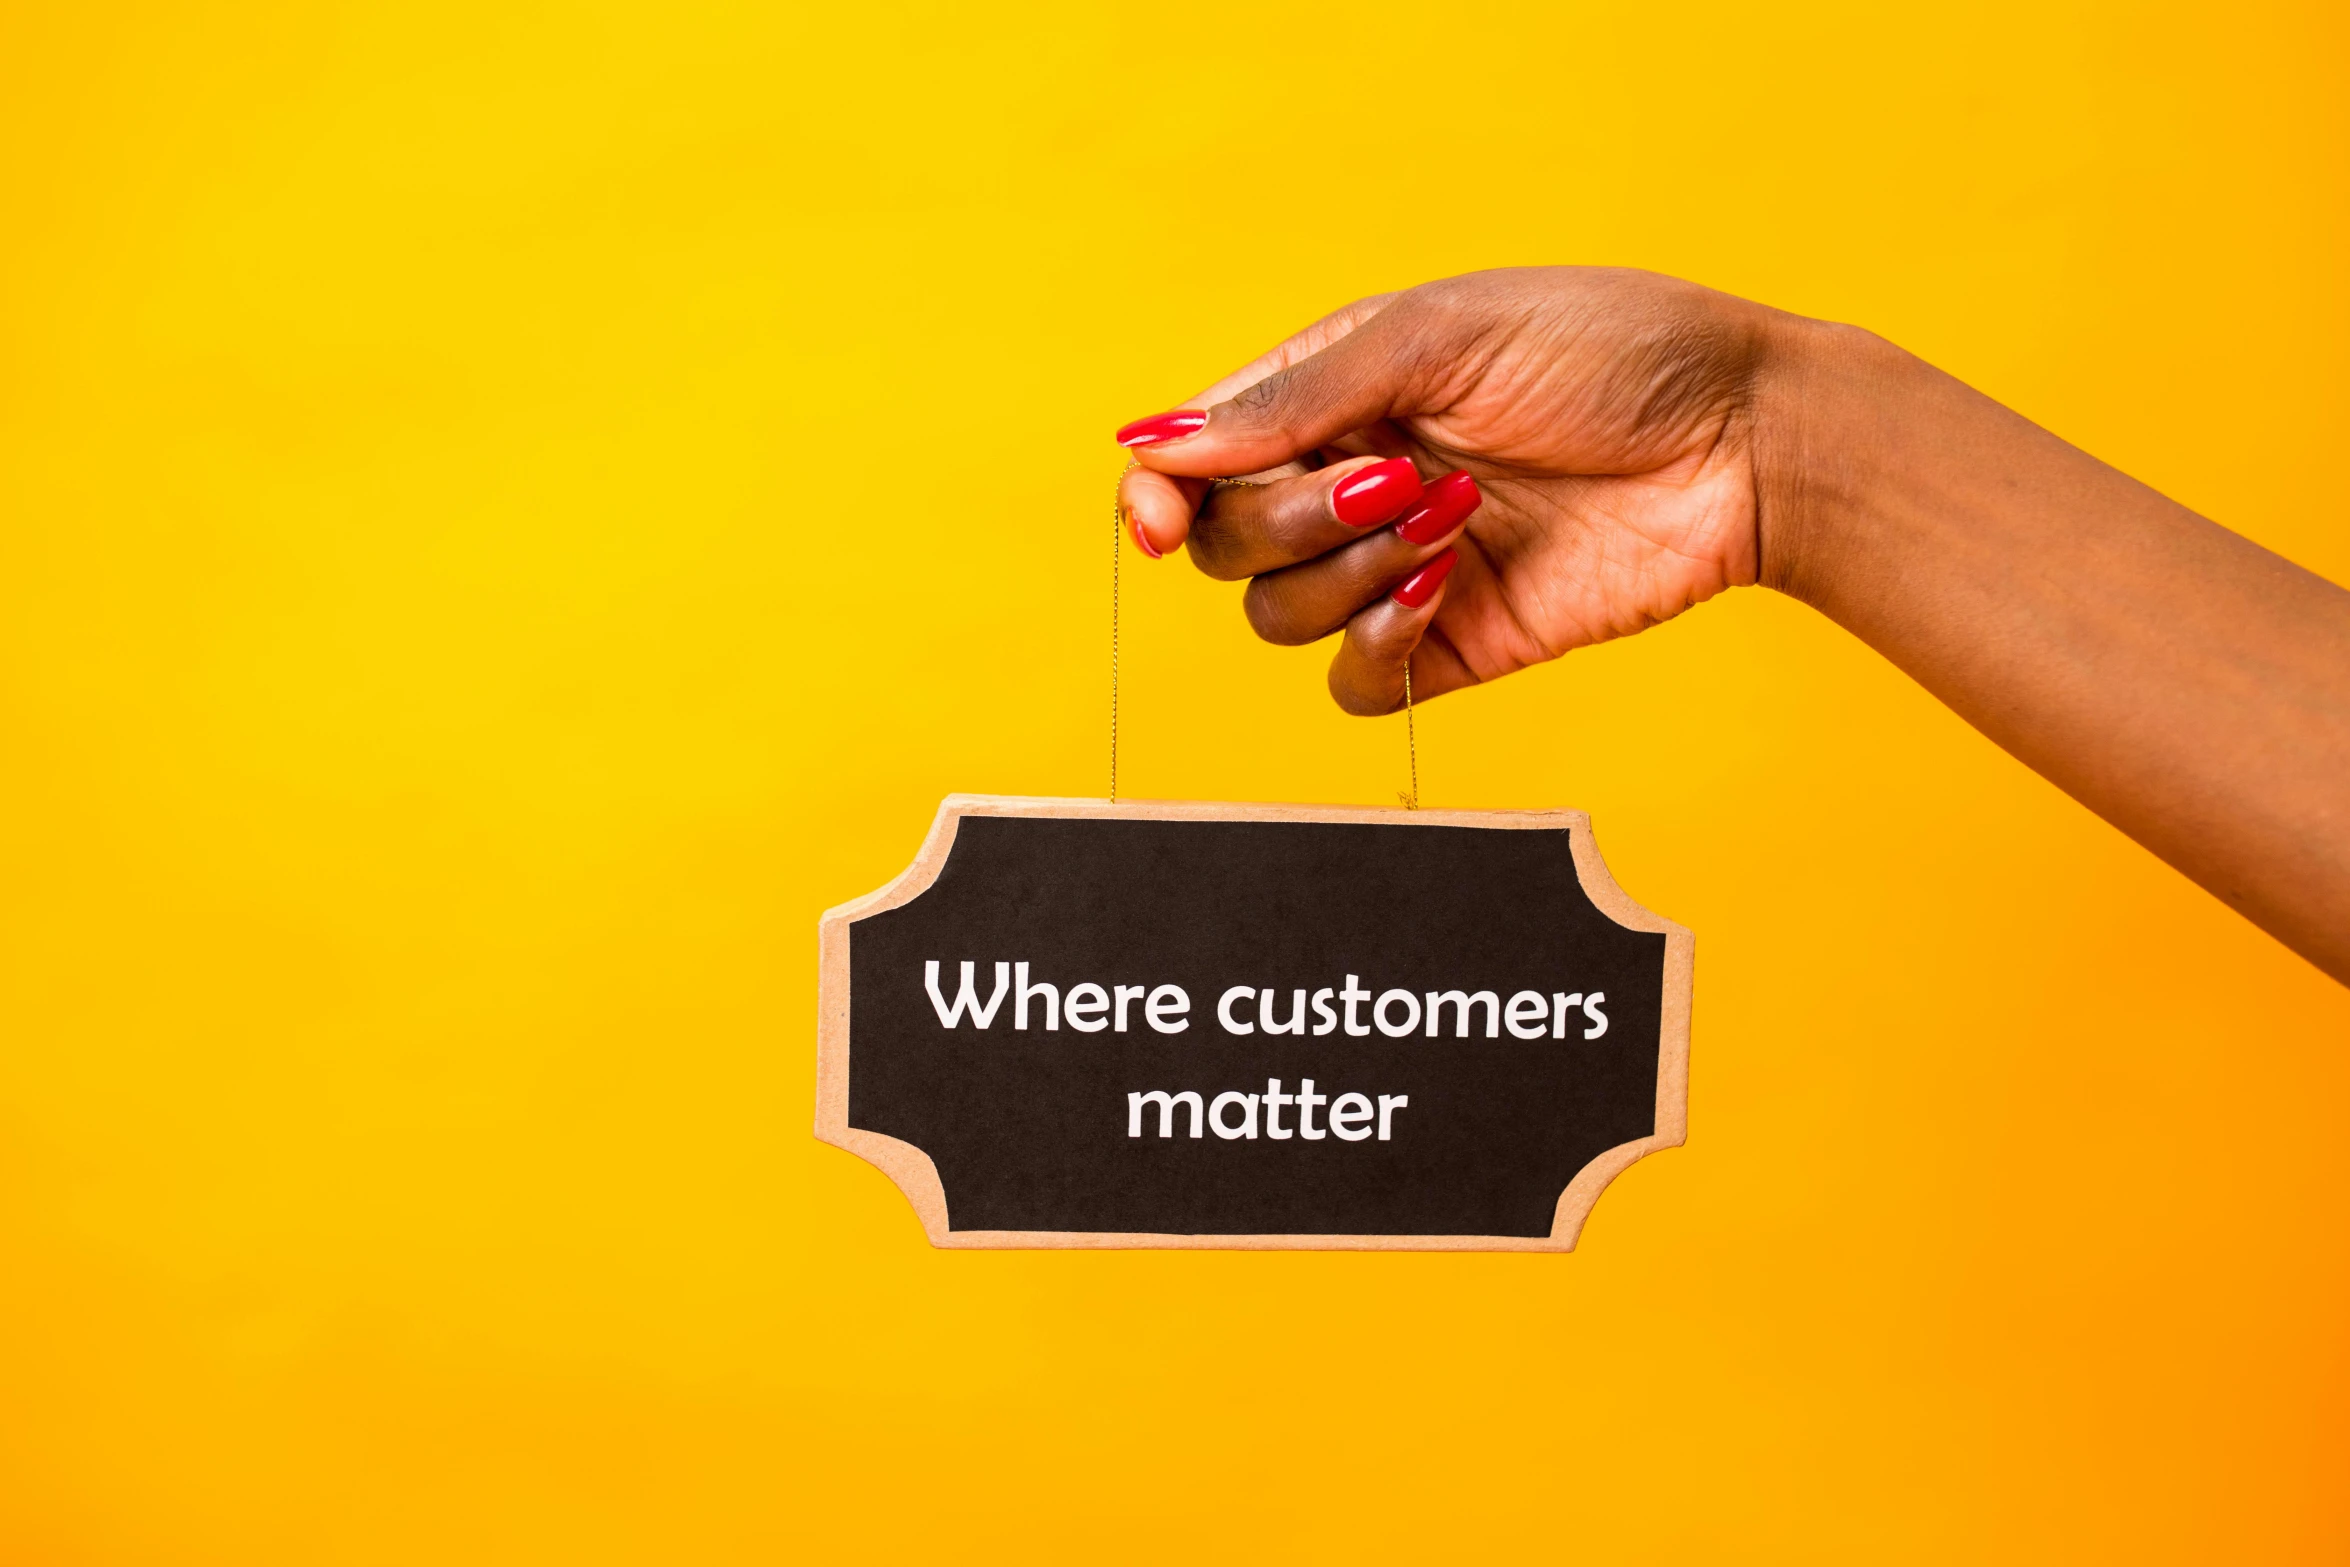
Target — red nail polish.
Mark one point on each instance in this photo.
(1159, 429)
(1421, 585)
(1370, 496)
(1142, 540)
(1441, 509)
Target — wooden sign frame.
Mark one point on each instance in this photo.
(915, 1175)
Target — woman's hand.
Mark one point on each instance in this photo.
(1606, 418)
(1642, 444)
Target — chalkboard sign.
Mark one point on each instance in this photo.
(1071, 1023)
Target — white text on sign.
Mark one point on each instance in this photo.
(1090, 1008)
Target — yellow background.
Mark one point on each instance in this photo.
(506, 512)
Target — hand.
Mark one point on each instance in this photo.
(1606, 418)
(1641, 444)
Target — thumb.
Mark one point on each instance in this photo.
(1396, 363)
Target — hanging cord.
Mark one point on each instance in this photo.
(1117, 555)
(1411, 733)
(1411, 740)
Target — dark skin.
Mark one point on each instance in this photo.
(1642, 444)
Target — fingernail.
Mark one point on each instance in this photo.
(1421, 585)
(1370, 496)
(1142, 540)
(1441, 509)
(1159, 429)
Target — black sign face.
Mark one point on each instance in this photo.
(1148, 1025)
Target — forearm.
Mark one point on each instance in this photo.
(2185, 684)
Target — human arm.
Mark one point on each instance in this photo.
(1641, 444)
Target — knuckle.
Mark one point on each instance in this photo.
(1213, 569)
(1272, 613)
(1257, 397)
(1215, 553)
(1352, 697)
(1262, 406)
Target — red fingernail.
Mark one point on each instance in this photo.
(1142, 540)
(1421, 585)
(1370, 496)
(1159, 429)
(1441, 509)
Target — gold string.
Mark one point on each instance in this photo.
(1411, 740)
(1411, 732)
(1117, 554)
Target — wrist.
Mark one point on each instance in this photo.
(1823, 419)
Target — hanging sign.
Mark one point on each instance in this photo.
(1071, 1023)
